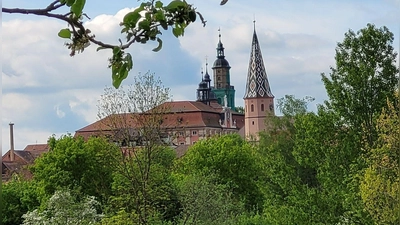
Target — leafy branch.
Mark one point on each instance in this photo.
(140, 26)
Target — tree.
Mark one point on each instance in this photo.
(380, 186)
(135, 119)
(143, 24)
(85, 168)
(364, 77)
(239, 109)
(291, 106)
(204, 201)
(233, 161)
(18, 196)
(62, 208)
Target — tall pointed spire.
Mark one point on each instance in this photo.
(220, 46)
(257, 81)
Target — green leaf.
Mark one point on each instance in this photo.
(158, 4)
(159, 16)
(69, 2)
(118, 75)
(144, 25)
(132, 18)
(64, 33)
(159, 45)
(116, 50)
(175, 4)
(177, 31)
(128, 59)
(77, 7)
(192, 16)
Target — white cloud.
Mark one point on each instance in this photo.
(59, 112)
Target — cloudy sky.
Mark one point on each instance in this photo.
(45, 91)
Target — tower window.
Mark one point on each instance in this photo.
(252, 122)
(218, 78)
(252, 108)
(262, 107)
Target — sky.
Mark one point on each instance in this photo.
(46, 92)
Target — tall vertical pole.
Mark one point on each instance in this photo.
(11, 142)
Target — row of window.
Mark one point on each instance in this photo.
(262, 108)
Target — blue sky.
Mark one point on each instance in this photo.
(45, 92)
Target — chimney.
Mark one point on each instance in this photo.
(11, 142)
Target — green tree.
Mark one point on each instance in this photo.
(233, 161)
(301, 151)
(82, 167)
(380, 186)
(239, 109)
(143, 199)
(63, 209)
(291, 106)
(133, 118)
(364, 77)
(204, 201)
(18, 196)
(145, 23)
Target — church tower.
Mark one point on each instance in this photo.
(258, 98)
(204, 93)
(222, 81)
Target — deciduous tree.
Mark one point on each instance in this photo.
(363, 78)
(134, 119)
(380, 187)
(85, 168)
(233, 161)
(63, 209)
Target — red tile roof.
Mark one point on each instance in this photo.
(37, 147)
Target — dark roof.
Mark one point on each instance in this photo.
(257, 85)
(221, 63)
(181, 150)
(11, 166)
(25, 155)
(37, 147)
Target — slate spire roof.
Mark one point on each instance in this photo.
(257, 85)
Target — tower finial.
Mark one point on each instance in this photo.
(219, 33)
(254, 21)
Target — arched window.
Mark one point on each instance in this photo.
(262, 107)
(252, 108)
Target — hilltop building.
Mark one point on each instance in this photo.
(213, 112)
